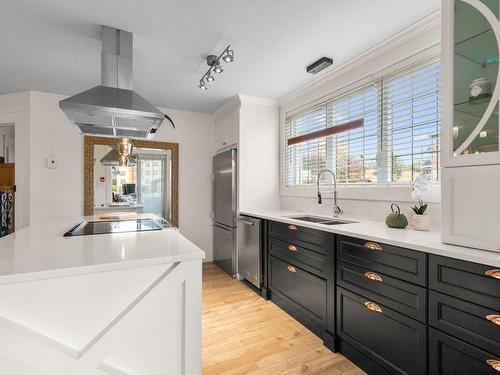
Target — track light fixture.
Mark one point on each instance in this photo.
(214, 62)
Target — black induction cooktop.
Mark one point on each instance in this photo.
(85, 228)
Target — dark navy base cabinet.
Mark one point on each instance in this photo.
(390, 310)
(301, 276)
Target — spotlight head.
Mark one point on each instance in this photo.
(202, 85)
(229, 57)
(218, 68)
(210, 78)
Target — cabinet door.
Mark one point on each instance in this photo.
(470, 53)
(470, 203)
(300, 293)
(232, 127)
(220, 135)
(394, 341)
(449, 356)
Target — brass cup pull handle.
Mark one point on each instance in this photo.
(291, 269)
(495, 363)
(373, 246)
(373, 276)
(373, 307)
(292, 248)
(292, 227)
(495, 319)
(495, 273)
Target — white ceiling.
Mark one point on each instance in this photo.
(54, 45)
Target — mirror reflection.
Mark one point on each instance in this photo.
(131, 177)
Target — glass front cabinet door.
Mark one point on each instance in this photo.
(471, 36)
(470, 186)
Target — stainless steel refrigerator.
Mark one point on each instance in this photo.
(225, 211)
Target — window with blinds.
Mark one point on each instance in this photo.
(399, 139)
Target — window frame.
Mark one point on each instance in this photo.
(359, 191)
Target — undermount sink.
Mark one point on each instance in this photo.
(321, 220)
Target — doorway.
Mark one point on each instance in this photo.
(7, 179)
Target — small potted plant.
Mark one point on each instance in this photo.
(421, 188)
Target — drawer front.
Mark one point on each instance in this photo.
(395, 341)
(450, 356)
(399, 295)
(465, 280)
(290, 252)
(477, 325)
(312, 239)
(404, 264)
(303, 288)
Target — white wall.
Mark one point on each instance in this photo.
(54, 193)
(195, 134)
(58, 193)
(369, 202)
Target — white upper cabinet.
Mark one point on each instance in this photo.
(471, 35)
(470, 126)
(226, 130)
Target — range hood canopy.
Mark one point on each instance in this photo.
(114, 109)
(112, 159)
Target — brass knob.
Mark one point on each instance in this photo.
(291, 269)
(292, 248)
(292, 227)
(373, 306)
(495, 319)
(494, 363)
(493, 273)
(373, 246)
(373, 276)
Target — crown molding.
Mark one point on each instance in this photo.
(237, 101)
(415, 30)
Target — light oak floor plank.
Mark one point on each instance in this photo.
(244, 334)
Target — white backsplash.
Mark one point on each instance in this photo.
(357, 209)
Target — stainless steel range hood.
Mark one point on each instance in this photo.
(114, 109)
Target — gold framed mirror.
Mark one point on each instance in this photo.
(147, 182)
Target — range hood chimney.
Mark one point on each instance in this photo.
(114, 109)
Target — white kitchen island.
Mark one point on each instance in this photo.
(115, 304)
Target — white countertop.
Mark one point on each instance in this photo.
(40, 251)
(429, 242)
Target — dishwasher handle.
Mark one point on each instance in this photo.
(247, 222)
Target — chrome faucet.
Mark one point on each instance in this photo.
(336, 209)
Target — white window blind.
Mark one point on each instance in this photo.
(399, 139)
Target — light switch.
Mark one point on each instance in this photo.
(51, 163)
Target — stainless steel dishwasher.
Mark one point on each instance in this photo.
(249, 250)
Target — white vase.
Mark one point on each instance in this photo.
(421, 222)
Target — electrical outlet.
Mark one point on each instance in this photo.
(51, 163)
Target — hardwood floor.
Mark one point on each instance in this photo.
(244, 334)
